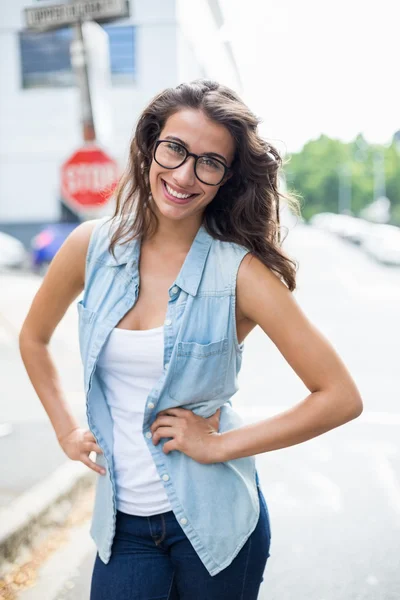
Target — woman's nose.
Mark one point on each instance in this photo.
(184, 175)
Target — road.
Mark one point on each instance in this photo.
(26, 437)
(334, 501)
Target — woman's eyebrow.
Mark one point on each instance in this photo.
(176, 139)
(216, 155)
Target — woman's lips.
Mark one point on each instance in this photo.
(173, 199)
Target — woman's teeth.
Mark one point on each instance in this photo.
(176, 194)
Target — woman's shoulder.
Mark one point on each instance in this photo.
(79, 239)
(99, 233)
(84, 232)
(228, 248)
(87, 241)
(222, 266)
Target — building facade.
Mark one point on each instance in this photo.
(162, 43)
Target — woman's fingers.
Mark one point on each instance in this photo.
(88, 436)
(163, 420)
(92, 465)
(163, 432)
(215, 417)
(169, 446)
(92, 447)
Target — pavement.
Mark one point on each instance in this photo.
(334, 501)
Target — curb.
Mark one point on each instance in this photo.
(56, 579)
(20, 522)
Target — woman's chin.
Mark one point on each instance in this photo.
(165, 209)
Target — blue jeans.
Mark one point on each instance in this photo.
(152, 559)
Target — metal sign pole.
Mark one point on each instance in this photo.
(74, 13)
(79, 63)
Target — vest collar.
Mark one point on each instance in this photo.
(192, 269)
(191, 272)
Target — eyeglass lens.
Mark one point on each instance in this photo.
(171, 155)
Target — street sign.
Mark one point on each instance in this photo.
(59, 15)
(88, 179)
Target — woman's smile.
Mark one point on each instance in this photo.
(176, 195)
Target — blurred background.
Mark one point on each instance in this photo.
(323, 80)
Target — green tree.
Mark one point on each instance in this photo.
(315, 174)
(392, 171)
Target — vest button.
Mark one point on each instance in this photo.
(167, 322)
(151, 405)
(174, 289)
(149, 434)
(183, 521)
(165, 477)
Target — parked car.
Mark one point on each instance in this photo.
(322, 220)
(331, 222)
(383, 243)
(350, 228)
(12, 252)
(353, 229)
(47, 242)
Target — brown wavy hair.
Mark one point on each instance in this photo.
(245, 209)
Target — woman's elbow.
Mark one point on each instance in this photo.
(353, 406)
(346, 402)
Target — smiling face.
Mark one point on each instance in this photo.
(177, 193)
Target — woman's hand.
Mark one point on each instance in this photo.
(195, 436)
(78, 444)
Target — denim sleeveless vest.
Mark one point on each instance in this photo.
(217, 504)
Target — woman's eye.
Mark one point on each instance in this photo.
(209, 163)
(176, 148)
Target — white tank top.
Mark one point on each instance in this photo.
(129, 365)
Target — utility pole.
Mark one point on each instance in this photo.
(80, 66)
(379, 174)
(345, 188)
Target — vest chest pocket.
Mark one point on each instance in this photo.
(199, 371)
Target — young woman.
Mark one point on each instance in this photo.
(173, 283)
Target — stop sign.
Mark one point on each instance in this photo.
(88, 178)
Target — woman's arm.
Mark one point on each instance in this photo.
(262, 299)
(334, 399)
(63, 282)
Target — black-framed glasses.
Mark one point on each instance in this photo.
(208, 169)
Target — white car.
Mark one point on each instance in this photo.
(12, 252)
(354, 229)
(350, 228)
(323, 220)
(331, 222)
(383, 243)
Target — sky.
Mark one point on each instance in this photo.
(310, 67)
